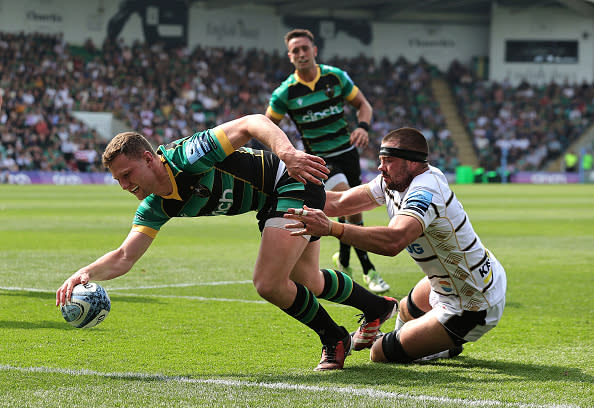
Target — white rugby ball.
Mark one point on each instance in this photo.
(88, 306)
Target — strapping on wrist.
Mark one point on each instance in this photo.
(336, 229)
(364, 125)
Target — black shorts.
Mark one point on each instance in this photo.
(347, 164)
(290, 193)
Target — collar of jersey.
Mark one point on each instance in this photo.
(312, 84)
(175, 193)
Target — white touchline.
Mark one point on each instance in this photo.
(349, 391)
(126, 294)
(115, 291)
(181, 285)
(172, 285)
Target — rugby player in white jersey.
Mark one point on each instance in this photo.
(462, 295)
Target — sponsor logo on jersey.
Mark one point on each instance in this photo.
(225, 202)
(197, 146)
(418, 201)
(415, 249)
(486, 271)
(446, 286)
(312, 116)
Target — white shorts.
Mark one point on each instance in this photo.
(464, 324)
(281, 223)
(335, 180)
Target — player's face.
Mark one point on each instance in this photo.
(134, 175)
(396, 172)
(302, 53)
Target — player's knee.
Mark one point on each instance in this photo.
(392, 349)
(265, 288)
(408, 309)
(376, 354)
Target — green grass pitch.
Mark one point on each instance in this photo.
(188, 329)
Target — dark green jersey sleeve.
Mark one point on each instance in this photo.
(199, 152)
(194, 155)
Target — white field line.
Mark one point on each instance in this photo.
(114, 291)
(173, 285)
(347, 391)
(210, 299)
(182, 285)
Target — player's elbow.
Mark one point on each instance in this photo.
(393, 247)
(391, 250)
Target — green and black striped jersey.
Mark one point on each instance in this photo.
(317, 109)
(209, 178)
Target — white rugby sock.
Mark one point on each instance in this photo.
(399, 323)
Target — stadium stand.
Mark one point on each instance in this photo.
(168, 94)
(535, 124)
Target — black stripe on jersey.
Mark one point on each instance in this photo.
(450, 199)
(429, 258)
(391, 195)
(434, 208)
(308, 149)
(238, 192)
(446, 294)
(269, 161)
(217, 187)
(328, 120)
(327, 136)
(318, 107)
(343, 146)
(438, 276)
(461, 224)
(483, 259)
(469, 246)
(490, 283)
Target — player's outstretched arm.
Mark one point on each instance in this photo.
(300, 165)
(109, 266)
(388, 241)
(352, 201)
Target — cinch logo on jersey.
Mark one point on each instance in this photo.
(225, 202)
(197, 147)
(418, 201)
(312, 116)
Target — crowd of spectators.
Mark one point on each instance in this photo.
(171, 93)
(533, 124)
(168, 94)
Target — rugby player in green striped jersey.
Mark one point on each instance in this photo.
(210, 173)
(314, 97)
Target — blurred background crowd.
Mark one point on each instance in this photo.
(171, 93)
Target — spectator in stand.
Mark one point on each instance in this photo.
(534, 124)
(42, 70)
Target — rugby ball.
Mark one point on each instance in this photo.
(89, 305)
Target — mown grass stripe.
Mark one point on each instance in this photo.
(348, 391)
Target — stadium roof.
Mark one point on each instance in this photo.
(453, 11)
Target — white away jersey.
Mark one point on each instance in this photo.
(450, 253)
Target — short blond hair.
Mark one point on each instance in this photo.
(130, 144)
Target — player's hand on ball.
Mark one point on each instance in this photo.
(89, 305)
(64, 292)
